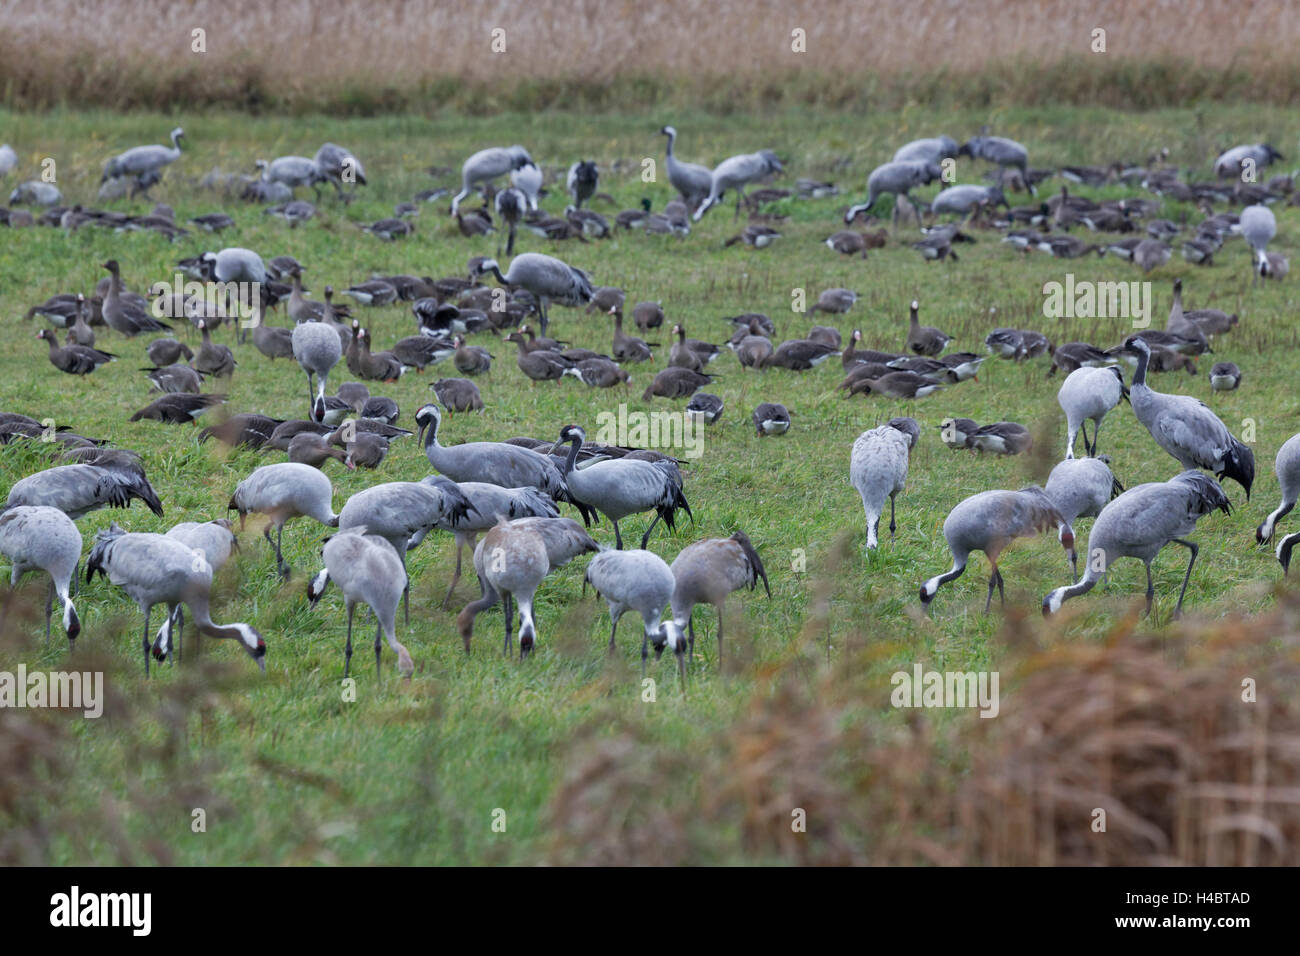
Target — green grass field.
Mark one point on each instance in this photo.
(413, 772)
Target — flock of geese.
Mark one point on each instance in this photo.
(501, 499)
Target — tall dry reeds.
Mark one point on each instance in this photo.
(341, 55)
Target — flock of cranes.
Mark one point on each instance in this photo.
(501, 500)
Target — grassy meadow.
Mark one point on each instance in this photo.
(565, 744)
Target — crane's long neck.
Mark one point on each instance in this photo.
(1140, 376)
(496, 271)
(672, 138)
(572, 460)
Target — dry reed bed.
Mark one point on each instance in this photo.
(336, 54)
(1152, 730)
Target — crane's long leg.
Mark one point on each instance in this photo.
(1191, 546)
(645, 653)
(892, 526)
(690, 630)
(618, 538)
(646, 537)
(379, 631)
(993, 580)
(406, 588)
(49, 610)
(507, 605)
(279, 555)
(613, 630)
(311, 393)
(719, 638)
(146, 640)
(455, 578)
(1002, 594)
(1151, 590)
(347, 649)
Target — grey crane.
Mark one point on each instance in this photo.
(35, 192)
(142, 163)
(990, 521)
(282, 492)
(367, 570)
(77, 490)
(620, 487)
(1232, 162)
(511, 204)
(896, 179)
(1000, 150)
(488, 164)
(639, 581)
(1138, 524)
(154, 569)
(8, 160)
(337, 165)
(1088, 394)
(291, 171)
(493, 463)
(706, 572)
(512, 562)
(960, 200)
(39, 538)
(1287, 467)
(691, 180)
(878, 470)
(582, 181)
(1081, 488)
(1186, 428)
(1259, 226)
(548, 279)
(527, 178)
(933, 149)
(317, 349)
(400, 511)
(737, 172)
(213, 541)
(563, 540)
(487, 503)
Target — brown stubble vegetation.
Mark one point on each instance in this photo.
(337, 55)
(1153, 730)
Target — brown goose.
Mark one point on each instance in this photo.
(835, 301)
(247, 430)
(74, 359)
(676, 383)
(536, 341)
(80, 332)
(215, 360)
(470, 359)
(1001, 438)
(753, 350)
(628, 348)
(458, 394)
(852, 355)
(308, 448)
(126, 316)
(273, 341)
(168, 352)
(177, 409)
(827, 335)
(540, 365)
(377, 366)
(598, 372)
(798, 355)
(171, 379)
(771, 418)
(606, 298)
(365, 450)
(924, 339)
(417, 351)
(302, 309)
(864, 371)
(648, 315)
(682, 355)
(895, 385)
